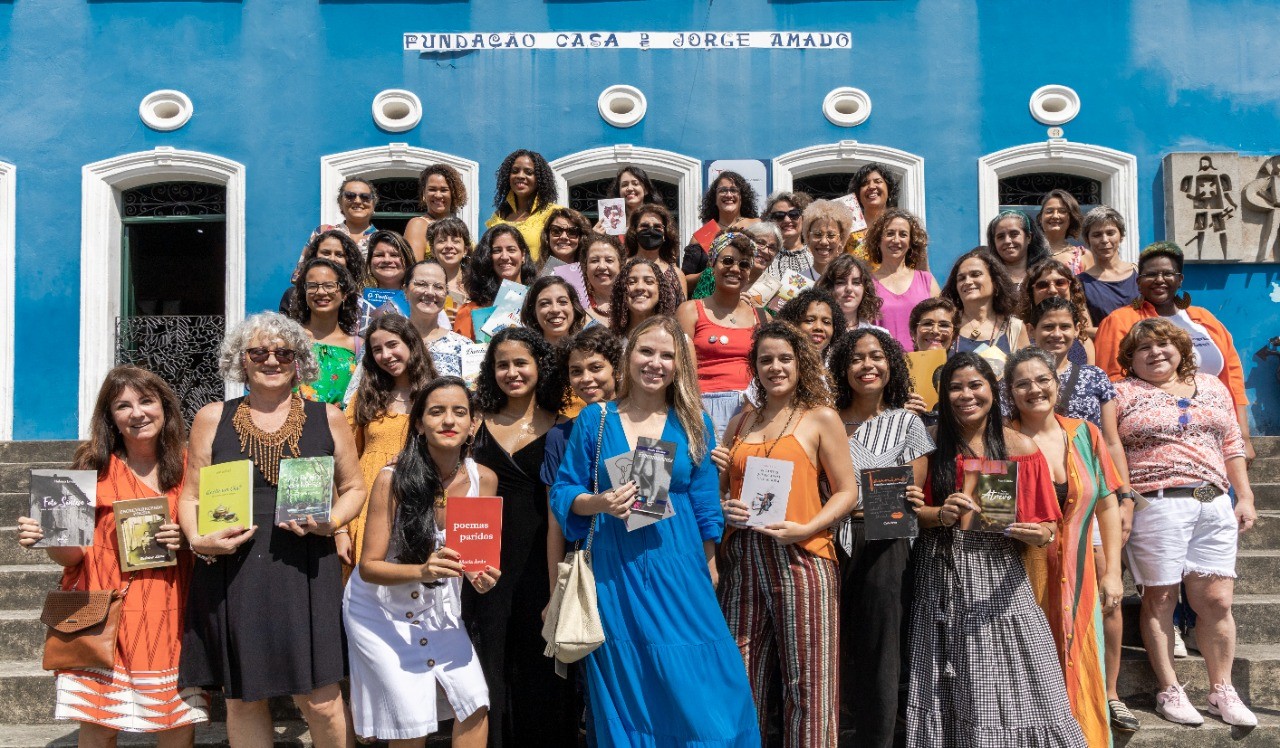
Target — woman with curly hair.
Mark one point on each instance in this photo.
(979, 286)
(520, 393)
(730, 202)
(816, 313)
(875, 187)
(826, 224)
(500, 255)
(641, 291)
(1060, 221)
(333, 244)
(395, 367)
(898, 244)
(449, 245)
(873, 386)
(525, 196)
(441, 194)
(1018, 243)
(327, 306)
(780, 584)
(652, 235)
(850, 283)
(1052, 278)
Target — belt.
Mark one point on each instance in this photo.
(1205, 493)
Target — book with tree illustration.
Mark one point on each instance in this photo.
(305, 489)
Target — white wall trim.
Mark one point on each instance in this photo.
(100, 242)
(599, 163)
(1118, 172)
(395, 160)
(8, 273)
(848, 155)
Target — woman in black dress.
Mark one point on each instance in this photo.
(520, 395)
(264, 614)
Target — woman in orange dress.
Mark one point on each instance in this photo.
(136, 445)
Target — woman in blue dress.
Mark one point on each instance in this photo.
(668, 673)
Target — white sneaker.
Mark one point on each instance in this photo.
(1179, 647)
(1225, 702)
(1173, 704)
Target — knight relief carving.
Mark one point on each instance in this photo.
(1223, 207)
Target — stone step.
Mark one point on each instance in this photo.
(12, 553)
(13, 505)
(1255, 674)
(1258, 572)
(23, 586)
(1265, 470)
(1266, 496)
(1266, 446)
(1156, 732)
(1265, 533)
(39, 451)
(16, 478)
(22, 634)
(210, 735)
(1257, 619)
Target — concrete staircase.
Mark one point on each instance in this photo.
(27, 693)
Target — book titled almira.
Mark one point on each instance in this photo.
(137, 523)
(305, 489)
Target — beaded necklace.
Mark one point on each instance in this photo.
(266, 449)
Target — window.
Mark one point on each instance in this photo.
(1025, 191)
(583, 196)
(824, 186)
(397, 203)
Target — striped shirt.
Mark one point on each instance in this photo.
(895, 437)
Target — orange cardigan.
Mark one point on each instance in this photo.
(1106, 344)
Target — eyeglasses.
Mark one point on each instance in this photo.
(830, 236)
(351, 197)
(1159, 275)
(1184, 412)
(1025, 385)
(260, 355)
(930, 325)
(427, 286)
(778, 215)
(1044, 284)
(727, 191)
(728, 262)
(564, 231)
(326, 287)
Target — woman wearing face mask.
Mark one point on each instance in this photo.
(441, 194)
(651, 235)
(1052, 278)
(426, 292)
(731, 202)
(451, 248)
(1110, 282)
(1060, 222)
(388, 262)
(334, 245)
(980, 287)
(995, 683)
(641, 291)
(720, 327)
(599, 266)
(816, 314)
(326, 306)
(1018, 242)
(525, 196)
(897, 244)
(357, 200)
(872, 386)
(850, 283)
(500, 255)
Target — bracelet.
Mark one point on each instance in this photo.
(1052, 537)
(206, 559)
(342, 531)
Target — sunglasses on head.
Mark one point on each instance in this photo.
(260, 355)
(351, 197)
(777, 215)
(728, 262)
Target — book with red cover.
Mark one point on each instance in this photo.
(473, 528)
(705, 234)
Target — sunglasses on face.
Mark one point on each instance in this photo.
(778, 215)
(563, 231)
(728, 262)
(351, 197)
(1057, 283)
(260, 355)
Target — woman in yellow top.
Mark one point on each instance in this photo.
(396, 366)
(525, 196)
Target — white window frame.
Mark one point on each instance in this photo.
(668, 166)
(1116, 170)
(8, 272)
(101, 231)
(398, 160)
(850, 155)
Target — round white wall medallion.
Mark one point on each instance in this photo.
(397, 110)
(846, 106)
(1054, 105)
(165, 110)
(622, 106)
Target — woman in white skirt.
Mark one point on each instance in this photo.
(412, 663)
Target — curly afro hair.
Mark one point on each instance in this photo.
(747, 194)
(898, 386)
(544, 181)
(549, 391)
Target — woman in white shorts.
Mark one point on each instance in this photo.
(412, 663)
(1185, 450)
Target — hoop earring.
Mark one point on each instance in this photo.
(471, 440)
(1182, 300)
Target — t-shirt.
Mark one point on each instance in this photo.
(895, 437)
(1209, 359)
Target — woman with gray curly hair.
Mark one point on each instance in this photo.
(264, 612)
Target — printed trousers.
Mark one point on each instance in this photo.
(782, 604)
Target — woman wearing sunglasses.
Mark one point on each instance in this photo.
(1052, 278)
(720, 327)
(356, 201)
(1185, 450)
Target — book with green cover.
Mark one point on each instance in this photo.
(226, 496)
(305, 489)
(137, 522)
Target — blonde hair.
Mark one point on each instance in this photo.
(1162, 331)
(827, 210)
(683, 394)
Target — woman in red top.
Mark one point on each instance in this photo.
(984, 667)
(720, 327)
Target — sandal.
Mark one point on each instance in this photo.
(1122, 719)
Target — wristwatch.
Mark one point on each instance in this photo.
(1127, 496)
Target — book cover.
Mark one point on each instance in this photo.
(137, 522)
(506, 308)
(305, 489)
(851, 202)
(64, 502)
(994, 485)
(651, 470)
(473, 528)
(925, 368)
(704, 235)
(766, 488)
(885, 510)
(619, 471)
(378, 302)
(613, 215)
(471, 358)
(226, 496)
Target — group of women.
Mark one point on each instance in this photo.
(1121, 406)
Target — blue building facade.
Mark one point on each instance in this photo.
(282, 101)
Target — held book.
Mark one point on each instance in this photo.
(925, 368)
(305, 489)
(613, 215)
(766, 488)
(886, 512)
(137, 522)
(64, 502)
(706, 234)
(994, 485)
(474, 530)
(226, 496)
(379, 302)
(619, 470)
(506, 308)
(651, 470)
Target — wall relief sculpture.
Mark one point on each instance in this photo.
(1223, 207)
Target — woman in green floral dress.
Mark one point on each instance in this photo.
(326, 305)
